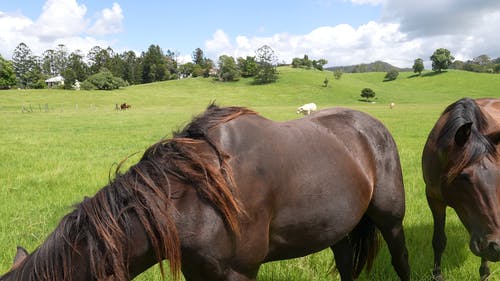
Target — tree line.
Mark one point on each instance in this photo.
(103, 68)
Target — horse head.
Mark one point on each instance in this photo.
(471, 179)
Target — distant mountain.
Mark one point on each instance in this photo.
(377, 66)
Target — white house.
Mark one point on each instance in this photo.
(55, 81)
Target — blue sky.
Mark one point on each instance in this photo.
(342, 31)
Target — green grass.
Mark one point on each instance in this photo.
(50, 160)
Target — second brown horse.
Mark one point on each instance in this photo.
(461, 169)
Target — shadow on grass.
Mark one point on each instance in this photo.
(433, 73)
(368, 101)
(421, 255)
(421, 259)
(426, 74)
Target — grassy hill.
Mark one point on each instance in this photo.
(69, 142)
(377, 66)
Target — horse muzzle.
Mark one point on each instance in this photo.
(485, 247)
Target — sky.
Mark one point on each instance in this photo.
(344, 32)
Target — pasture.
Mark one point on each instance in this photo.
(68, 144)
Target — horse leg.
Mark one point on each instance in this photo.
(438, 210)
(387, 213)
(484, 270)
(394, 236)
(343, 252)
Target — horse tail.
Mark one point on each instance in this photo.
(364, 240)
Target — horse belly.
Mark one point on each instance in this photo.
(314, 217)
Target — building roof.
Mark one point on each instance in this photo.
(55, 79)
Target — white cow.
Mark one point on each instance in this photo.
(307, 108)
(392, 105)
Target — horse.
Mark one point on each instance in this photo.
(461, 169)
(233, 190)
(125, 106)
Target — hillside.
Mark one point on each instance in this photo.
(293, 88)
(68, 146)
(377, 66)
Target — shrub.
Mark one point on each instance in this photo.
(104, 80)
(391, 75)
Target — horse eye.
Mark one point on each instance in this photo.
(463, 177)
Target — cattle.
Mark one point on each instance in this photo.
(307, 108)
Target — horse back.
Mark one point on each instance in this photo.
(333, 158)
(491, 107)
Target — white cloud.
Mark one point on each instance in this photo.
(407, 30)
(60, 22)
(11, 29)
(110, 21)
(59, 19)
(341, 44)
(220, 41)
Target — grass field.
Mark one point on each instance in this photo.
(69, 144)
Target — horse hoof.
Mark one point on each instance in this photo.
(438, 277)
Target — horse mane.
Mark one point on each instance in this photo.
(477, 147)
(212, 117)
(99, 227)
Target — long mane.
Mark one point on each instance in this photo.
(477, 147)
(100, 227)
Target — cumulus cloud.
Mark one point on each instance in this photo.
(341, 44)
(220, 41)
(109, 22)
(60, 22)
(59, 18)
(407, 30)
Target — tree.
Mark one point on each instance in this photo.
(171, 63)
(7, 74)
(266, 71)
(418, 66)
(60, 59)
(198, 57)
(228, 71)
(154, 65)
(27, 68)
(98, 58)
(391, 75)
(48, 63)
(203, 66)
(441, 59)
(75, 70)
(132, 68)
(248, 67)
(318, 64)
(367, 93)
(186, 70)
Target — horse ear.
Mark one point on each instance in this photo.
(463, 134)
(21, 254)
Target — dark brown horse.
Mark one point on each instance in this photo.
(125, 106)
(461, 169)
(234, 190)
